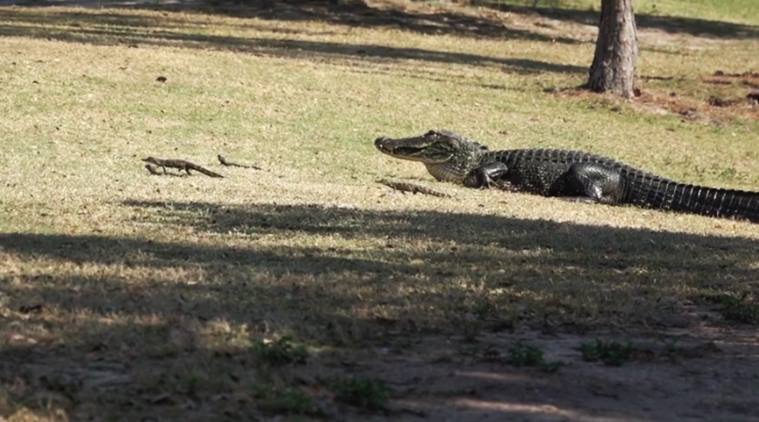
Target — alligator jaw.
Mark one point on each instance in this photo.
(431, 148)
(404, 148)
(447, 156)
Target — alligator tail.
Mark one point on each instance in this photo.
(655, 192)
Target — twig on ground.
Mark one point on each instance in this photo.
(412, 188)
(224, 162)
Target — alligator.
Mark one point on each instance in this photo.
(564, 173)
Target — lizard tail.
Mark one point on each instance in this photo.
(207, 172)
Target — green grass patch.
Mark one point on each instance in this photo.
(366, 393)
(281, 351)
(522, 354)
(289, 400)
(608, 352)
(736, 308)
(525, 355)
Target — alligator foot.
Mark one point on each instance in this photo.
(597, 182)
(486, 175)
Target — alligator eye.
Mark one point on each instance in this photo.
(430, 133)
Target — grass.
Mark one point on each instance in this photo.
(740, 11)
(365, 393)
(175, 276)
(528, 355)
(525, 355)
(609, 352)
(737, 309)
(288, 401)
(280, 352)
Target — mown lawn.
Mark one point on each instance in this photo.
(126, 295)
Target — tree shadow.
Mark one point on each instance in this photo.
(481, 248)
(118, 29)
(137, 317)
(671, 24)
(355, 14)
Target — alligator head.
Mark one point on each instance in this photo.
(447, 156)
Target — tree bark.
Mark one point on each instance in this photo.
(613, 68)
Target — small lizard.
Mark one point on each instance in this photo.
(181, 165)
(224, 162)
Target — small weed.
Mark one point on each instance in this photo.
(671, 348)
(281, 352)
(551, 367)
(739, 310)
(528, 355)
(287, 400)
(609, 352)
(729, 173)
(362, 392)
(733, 307)
(525, 355)
(484, 308)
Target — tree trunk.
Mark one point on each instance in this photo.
(613, 67)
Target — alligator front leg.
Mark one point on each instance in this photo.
(485, 175)
(597, 182)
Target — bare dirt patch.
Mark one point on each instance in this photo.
(728, 98)
(684, 376)
(694, 374)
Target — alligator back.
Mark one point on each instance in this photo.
(543, 171)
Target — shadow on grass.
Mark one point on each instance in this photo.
(359, 14)
(670, 24)
(539, 261)
(355, 14)
(135, 316)
(116, 29)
